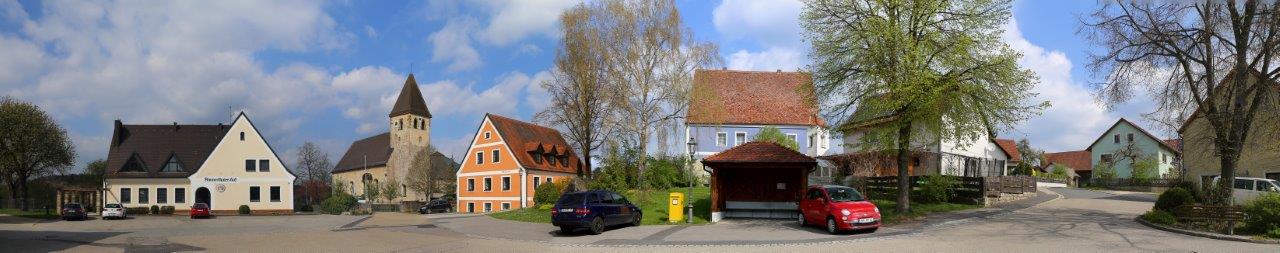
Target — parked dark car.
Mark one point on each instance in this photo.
(593, 210)
(437, 206)
(74, 211)
(200, 210)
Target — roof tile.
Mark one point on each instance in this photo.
(753, 97)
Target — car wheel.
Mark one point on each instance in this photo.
(831, 226)
(635, 222)
(597, 226)
(802, 221)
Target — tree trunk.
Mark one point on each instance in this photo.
(644, 155)
(584, 171)
(13, 193)
(1227, 161)
(904, 176)
(25, 201)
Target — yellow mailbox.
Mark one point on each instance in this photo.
(675, 207)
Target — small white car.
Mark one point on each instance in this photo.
(1246, 189)
(113, 211)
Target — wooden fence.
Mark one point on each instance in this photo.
(969, 190)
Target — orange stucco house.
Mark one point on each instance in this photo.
(507, 160)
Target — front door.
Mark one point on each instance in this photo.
(202, 196)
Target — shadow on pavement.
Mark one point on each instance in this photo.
(49, 241)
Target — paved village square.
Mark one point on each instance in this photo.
(639, 126)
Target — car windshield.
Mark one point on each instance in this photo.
(113, 205)
(844, 194)
(200, 205)
(571, 199)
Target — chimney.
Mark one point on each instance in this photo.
(175, 126)
(118, 136)
(724, 68)
(779, 70)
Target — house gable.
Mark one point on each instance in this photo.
(486, 145)
(228, 158)
(1111, 132)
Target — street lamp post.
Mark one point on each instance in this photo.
(693, 146)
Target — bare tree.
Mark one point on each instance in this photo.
(314, 166)
(32, 144)
(578, 88)
(652, 58)
(418, 179)
(1213, 58)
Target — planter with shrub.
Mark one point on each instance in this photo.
(155, 209)
(244, 209)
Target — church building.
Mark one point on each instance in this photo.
(372, 160)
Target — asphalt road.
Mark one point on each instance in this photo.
(1081, 221)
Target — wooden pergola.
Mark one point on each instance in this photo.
(90, 197)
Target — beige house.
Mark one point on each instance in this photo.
(1260, 156)
(373, 160)
(224, 166)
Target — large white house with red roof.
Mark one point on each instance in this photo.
(729, 107)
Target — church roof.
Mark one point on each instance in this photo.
(410, 100)
(368, 152)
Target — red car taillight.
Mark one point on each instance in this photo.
(582, 211)
(554, 211)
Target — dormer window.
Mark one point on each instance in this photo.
(537, 158)
(172, 165)
(134, 164)
(551, 160)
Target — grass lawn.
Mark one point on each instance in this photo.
(653, 202)
(34, 213)
(918, 210)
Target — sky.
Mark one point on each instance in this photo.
(328, 72)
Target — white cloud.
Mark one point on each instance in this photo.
(369, 31)
(771, 22)
(452, 44)
(1075, 118)
(537, 97)
(512, 21)
(777, 58)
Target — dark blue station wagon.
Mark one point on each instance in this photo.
(593, 210)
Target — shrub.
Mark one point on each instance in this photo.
(1145, 169)
(135, 210)
(546, 193)
(938, 188)
(166, 210)
(1263, 214)
(305, 208)
(1274, 233)
(1160, 217)
(665, 172)
(244, 209)
(155, 209)
(1191, 188)
(337, 203)
(1173, 198)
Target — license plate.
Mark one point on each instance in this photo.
(866, 220)
(567, 210)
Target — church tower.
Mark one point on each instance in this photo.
(410, 123)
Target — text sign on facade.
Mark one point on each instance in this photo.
(221, 179)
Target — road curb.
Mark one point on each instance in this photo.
(1202, 234)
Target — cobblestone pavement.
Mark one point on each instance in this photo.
(1081, 221)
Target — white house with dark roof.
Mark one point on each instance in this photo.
(224, 166)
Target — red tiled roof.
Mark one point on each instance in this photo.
(532, 138)
(753, 97)
(1079, 160)
(759, 152)
(1010, 147)
(1175, 143)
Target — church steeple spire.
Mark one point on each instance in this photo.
(410, 101)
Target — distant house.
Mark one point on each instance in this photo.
(1078, 163)
(929, 156)
(729, 107)
(507, 160)
(224, 166)
(1259, 157)
(1110, 148)
(1010, 147)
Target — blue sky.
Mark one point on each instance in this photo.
(327, 72)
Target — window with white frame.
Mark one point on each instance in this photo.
(537, 181)
(722, 139)
(488, 184)
(506, 206)
(471, 184)
(480, 157)
(794, 138)
(506, 183)
(488, 207)
(496, 156)
(810, 144)
(739, 138)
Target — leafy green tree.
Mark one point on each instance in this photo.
(907, 65)
(32, 144)
(391, 189)
(1059, 171)
(1104, 171)
(97, 170)
(372, 190)
(1145, 169)
(773, 134)
(1029, 155)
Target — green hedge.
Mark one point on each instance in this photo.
(1173, 198)
(166, 210)
(1262, 215)
(338, 203)
(1160, 217)
(136, 210)
(244, 209)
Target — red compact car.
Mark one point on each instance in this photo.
(200, 210)
(839, 208)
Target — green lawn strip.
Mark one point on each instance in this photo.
(34, 214)
(652, 202)
(918, 210)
